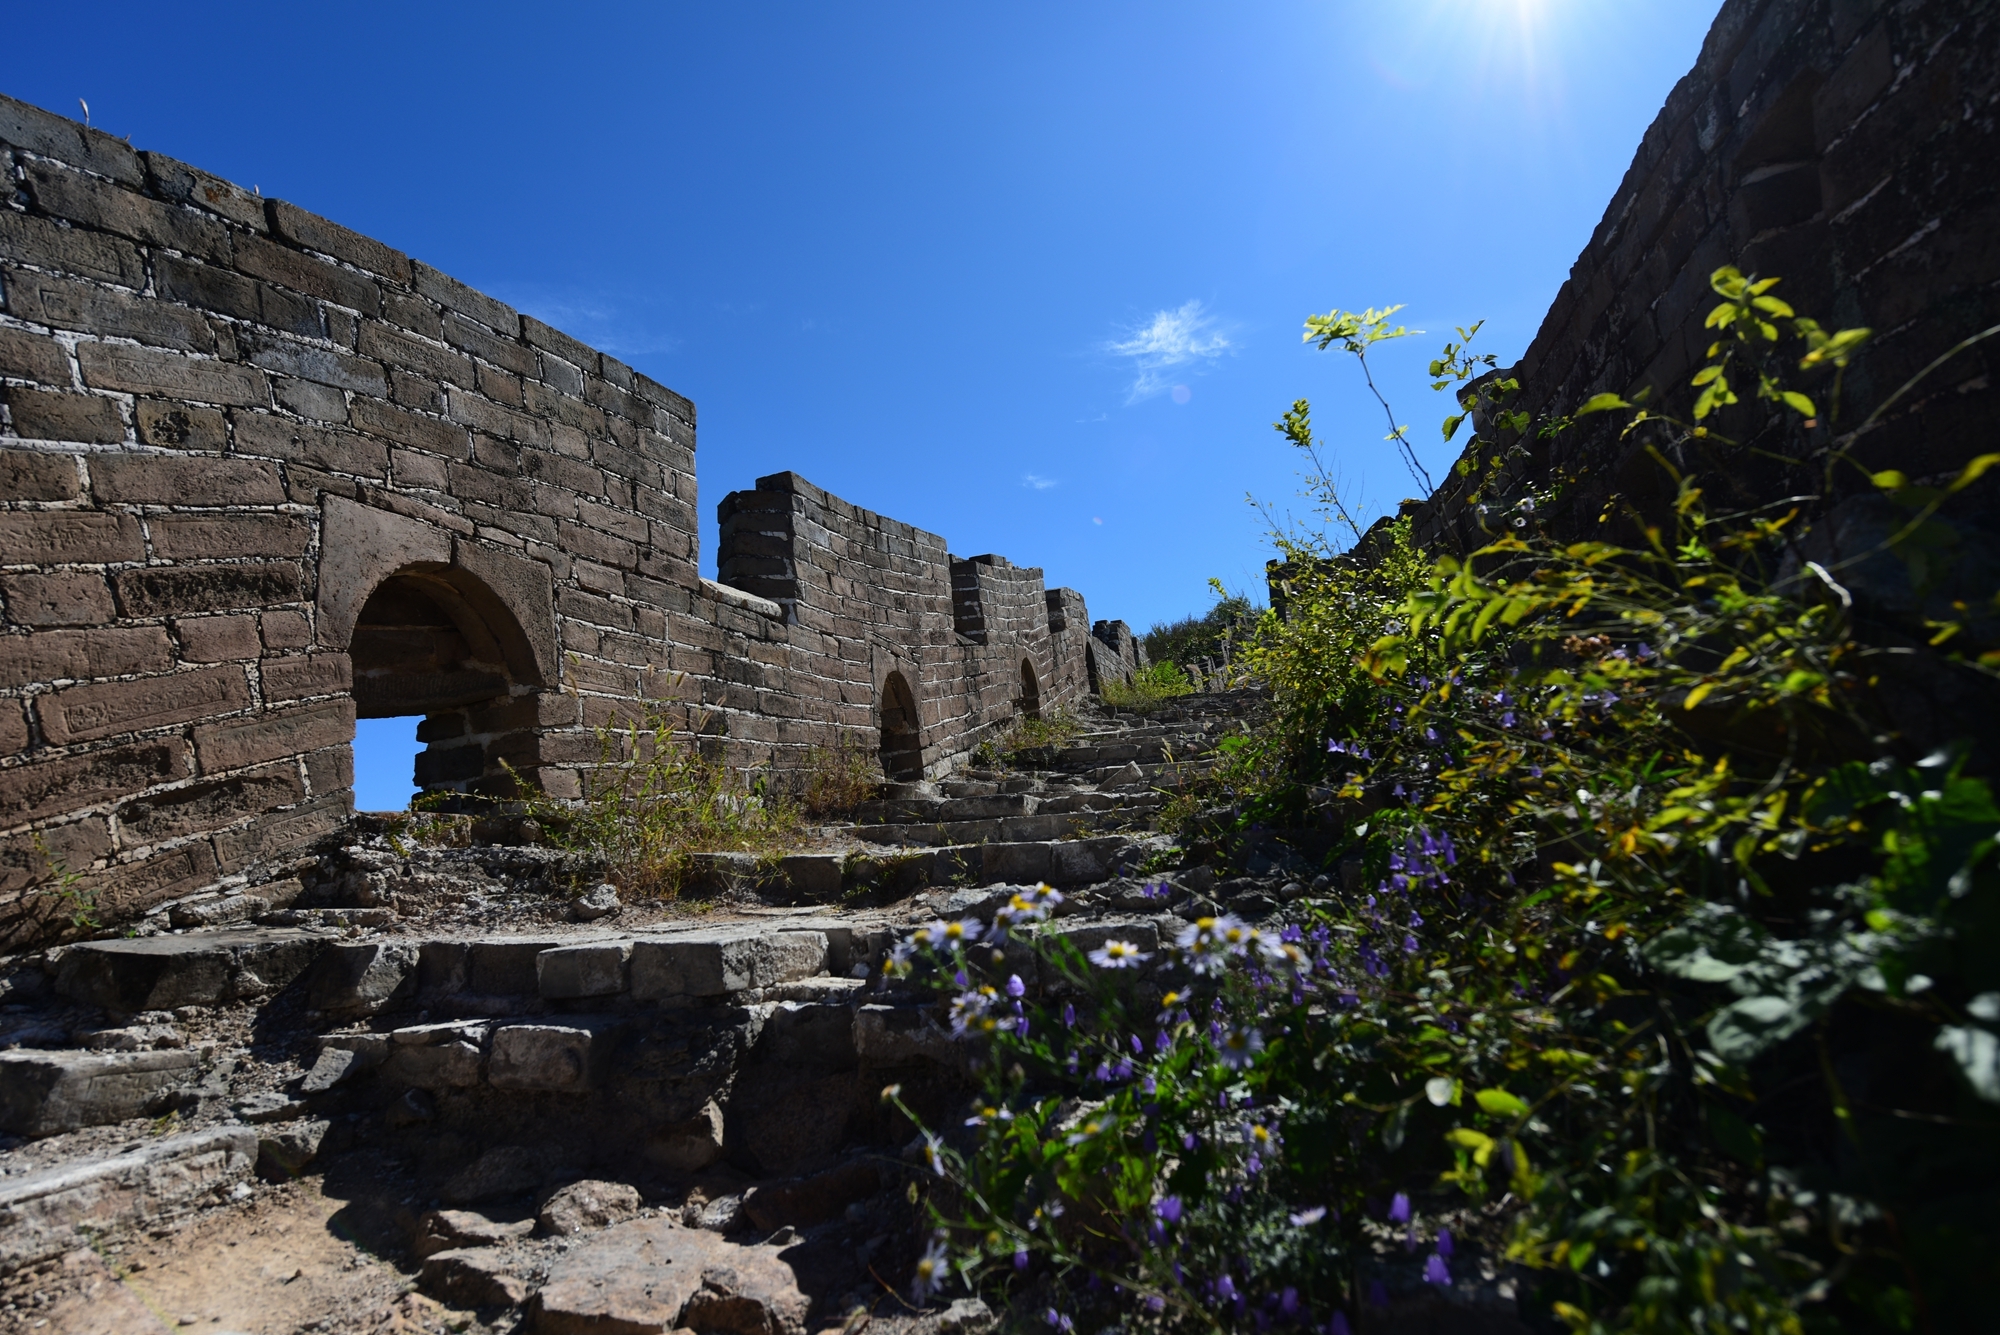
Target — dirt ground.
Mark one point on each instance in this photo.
(297, 1257)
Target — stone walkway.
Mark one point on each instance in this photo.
(550, 1114)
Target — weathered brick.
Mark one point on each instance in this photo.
(330, 238)
(13, 740)
(56, 598)
(310, 399)
(296, 676)
(413, 391)
(167, 589)
(41, 414)
(113, 208)
(41, 241)
(330, 770)
(314, 363)
(86, 713)
(336, 451)
(183, 184)
(70, 783)
(562, 377)
(201, 807)
(27, 126)
(302, 273)
(180, 426)
(456, 296)
(129, 889)
(27, 356)
(145, 371)
(262, 737)
(223, 639)
(66, 303)
(500, 349)
(286, 630)
(424, 433)
(540, 335)
(283, 833)
(222, 537)
(31, 475)
(68, 537)
(411, 469)
(392, 345)
(58, 655)
(412, 313)
(183, 479)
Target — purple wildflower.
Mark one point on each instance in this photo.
(1399, 1209)
(1435, 1271)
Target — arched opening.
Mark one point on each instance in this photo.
(1030, 702)
(902, 741)
(433, 641)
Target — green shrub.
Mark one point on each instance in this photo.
(1149, 687)
(1676, 983)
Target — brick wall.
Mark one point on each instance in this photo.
(260, 474)
(1844, 145)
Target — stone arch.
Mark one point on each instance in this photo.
(440, 627)
(902, 736)
(1030, 702)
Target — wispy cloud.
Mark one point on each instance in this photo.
(1171, 339)
(619, 326)
(1036, 481)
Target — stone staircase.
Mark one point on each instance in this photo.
(455, 1012)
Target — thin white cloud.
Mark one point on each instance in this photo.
(1037, 482)
(1185, 337)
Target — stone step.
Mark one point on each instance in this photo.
(158, 973)
(941, 833)
(43, 1093)
(44, 1214)
(990, 807)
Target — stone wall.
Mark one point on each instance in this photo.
(1844, 145)
(261, 474)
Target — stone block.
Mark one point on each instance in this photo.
(302, 273)
(313, 232)
(688, 1146)
(363, 977)
(899, 1035)
(31, 791)
(42, 1213)
(813, 877)
(651, 1275)
(107, 207)
(285, 1151)
(135, 370)
(270, 736)
(51, 415)
(412, 429)
(71, 250)
(581, 1207)
(298, 675)
(52, 136)
(308, 362)
(191, 185)
(224, 639)
(505, 966)
(57, 598)
(82, 713)
(803, 1202)
(472, 1277)
(163, 590)
(179, 479)
(443, 1230)
(712, 964)
(201, 807)
(67, 304)
(162, 972)
(43, 1093)
(594, 970)
(60, 655)
(569, 1055)
(32, 475)
(436, 1056)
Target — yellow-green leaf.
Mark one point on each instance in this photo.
(1799, 403)
(1698, 694)
(1889, 479)
(1600, 403)
(1972, 472)
(1500, 1103)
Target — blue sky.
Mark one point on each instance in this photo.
(1028, 275)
